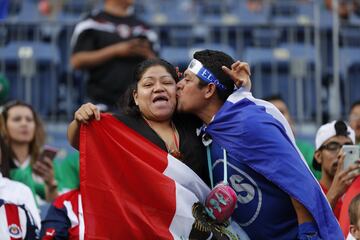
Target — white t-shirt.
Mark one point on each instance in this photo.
(18, 193)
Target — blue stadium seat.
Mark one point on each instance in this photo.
(350, 36)
(40, 86)
(251, 19)
(350, 71)
(291, 13)
(170, 12)
(283, 69)
(181, 56)
(178, 56)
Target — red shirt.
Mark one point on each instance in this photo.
(338, 204)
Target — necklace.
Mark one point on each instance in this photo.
(175, 151)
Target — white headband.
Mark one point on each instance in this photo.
(204, 74)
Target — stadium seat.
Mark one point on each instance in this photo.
(350, 36)
(283, 69)
(248, 18)
(32, 68)
(350, 72)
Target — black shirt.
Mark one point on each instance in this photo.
(109, 80)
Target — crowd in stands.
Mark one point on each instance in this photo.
(120, 54)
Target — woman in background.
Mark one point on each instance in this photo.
(24, 135)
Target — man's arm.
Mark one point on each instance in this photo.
(134, 47)
(303, 215)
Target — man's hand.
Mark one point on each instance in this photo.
(134, 47)
(240, 74)
(342, 180)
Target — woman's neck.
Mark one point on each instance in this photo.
(21, 152)
(159, 125)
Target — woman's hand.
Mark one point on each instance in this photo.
(87, 112)
(240, 74)
(45, 169)
(84, 114)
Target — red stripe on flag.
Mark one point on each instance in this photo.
(344, 220)
(12, 216)
(125, 193)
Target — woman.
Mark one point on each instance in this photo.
(148, 107)
(24, 134)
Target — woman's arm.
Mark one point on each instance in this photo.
(84, 114)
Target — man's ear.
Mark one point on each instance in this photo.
(135, 95)
(318, 157)
(210, 90)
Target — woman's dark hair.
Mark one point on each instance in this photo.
(4, 159)
(127, 104)
(39, 138)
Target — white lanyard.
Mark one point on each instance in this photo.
(208, 153)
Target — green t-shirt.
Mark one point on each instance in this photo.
(308, 151)
(66, 170)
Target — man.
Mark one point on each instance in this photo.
(354, 120)
(109, 44)
(264, 168)
(305, 148)
(329, 159)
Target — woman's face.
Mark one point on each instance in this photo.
(156, 94)
(20, 124)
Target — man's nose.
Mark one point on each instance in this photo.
(179, 85)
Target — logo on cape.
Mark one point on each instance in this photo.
(249, 195)
(14, 231)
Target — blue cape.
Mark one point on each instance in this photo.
(255, 132)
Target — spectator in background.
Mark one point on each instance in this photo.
(329, 159)
(109, 44)
(305, 148)
(345, 7)
(354, 120)
(24, 134)
(354, 215)
(14, 192)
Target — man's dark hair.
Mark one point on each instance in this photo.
(213, 61)
(126, 103)
(353, 209)
(354, 104)
(275, 97)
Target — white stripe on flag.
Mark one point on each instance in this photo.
(189, 190)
